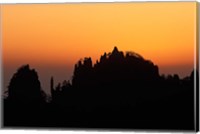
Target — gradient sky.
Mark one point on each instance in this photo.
(52, 37)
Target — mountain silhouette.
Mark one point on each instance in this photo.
(121, 90)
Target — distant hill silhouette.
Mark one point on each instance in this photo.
(121, 90)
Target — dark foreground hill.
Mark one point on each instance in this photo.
(122, 90)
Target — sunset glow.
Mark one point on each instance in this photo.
(52, 37)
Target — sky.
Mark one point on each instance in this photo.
(51, 38)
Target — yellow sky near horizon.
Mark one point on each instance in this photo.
(61, 34)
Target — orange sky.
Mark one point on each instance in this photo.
(58, 35)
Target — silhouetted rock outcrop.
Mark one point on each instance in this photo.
(115, 67)
(121, 90)
(126, 85)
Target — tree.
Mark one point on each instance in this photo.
(24, 86)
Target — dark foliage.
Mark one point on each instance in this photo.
(122, 90)
(25, 87)
(25, 98)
